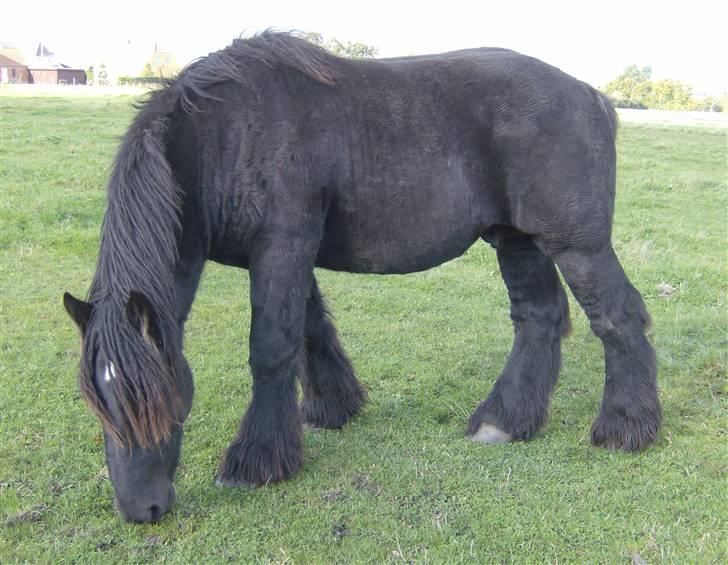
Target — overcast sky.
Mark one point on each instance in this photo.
(591, 40)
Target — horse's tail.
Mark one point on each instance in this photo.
(608, 108)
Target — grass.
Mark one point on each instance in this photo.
(400, 483)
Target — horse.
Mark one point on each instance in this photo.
(276, 156)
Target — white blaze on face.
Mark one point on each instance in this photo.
(109, 372)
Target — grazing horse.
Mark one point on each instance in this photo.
(278, 157)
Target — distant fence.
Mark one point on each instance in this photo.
(147, 82)
(71, 90)
(709, 119)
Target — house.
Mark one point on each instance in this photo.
(47, 69)
(12, 65)
(133, 58)
(163, 63)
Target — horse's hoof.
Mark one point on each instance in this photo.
(628, 434)
(233, 483)
(487, 433)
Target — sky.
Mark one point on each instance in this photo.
(591, 40)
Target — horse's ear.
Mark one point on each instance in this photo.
(140, 314)
(79, 311)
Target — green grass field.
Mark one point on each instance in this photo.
(400, 483)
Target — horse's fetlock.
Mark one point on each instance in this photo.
(257, 461)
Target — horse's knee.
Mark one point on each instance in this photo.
(273, 357)
(624, 314)
(604, 327)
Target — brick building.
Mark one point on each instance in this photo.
(13, 69)
(46, 69)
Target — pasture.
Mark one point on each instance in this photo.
(399, 483)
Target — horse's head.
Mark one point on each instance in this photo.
(135, 379)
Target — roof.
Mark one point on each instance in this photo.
(43, 51)
(46, 60)
(10, 51)
(8, 62)
(40, 66)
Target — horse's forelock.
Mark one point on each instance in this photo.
(145, 386)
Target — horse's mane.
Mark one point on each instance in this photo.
(139, 240)
(138, 253)
(275, 49)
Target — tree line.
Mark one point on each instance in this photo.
(634, 88)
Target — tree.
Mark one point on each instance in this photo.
(634, 89)
(356, 50)
(671, 95)
(638, 75)
(147, 72)
(90, 75)
(631, 89)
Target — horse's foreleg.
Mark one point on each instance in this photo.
(268, 445)
(518, 404)
(186, 280)
(331, 393)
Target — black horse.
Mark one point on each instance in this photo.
(276, 156)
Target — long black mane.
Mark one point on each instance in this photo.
(272, 48)
(139, 241)
(141, 224)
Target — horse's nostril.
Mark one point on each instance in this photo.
(144, 511)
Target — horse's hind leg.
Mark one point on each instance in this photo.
(331, 393)
(630, 412)
(518, 404)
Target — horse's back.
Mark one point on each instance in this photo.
(435, 150)
(413, 159)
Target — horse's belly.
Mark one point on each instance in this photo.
(397, 238)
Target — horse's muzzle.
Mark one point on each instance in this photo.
(150, 510)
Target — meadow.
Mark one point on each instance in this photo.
(400, 482)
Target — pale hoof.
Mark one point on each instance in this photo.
(488, 433)
(228, 483)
